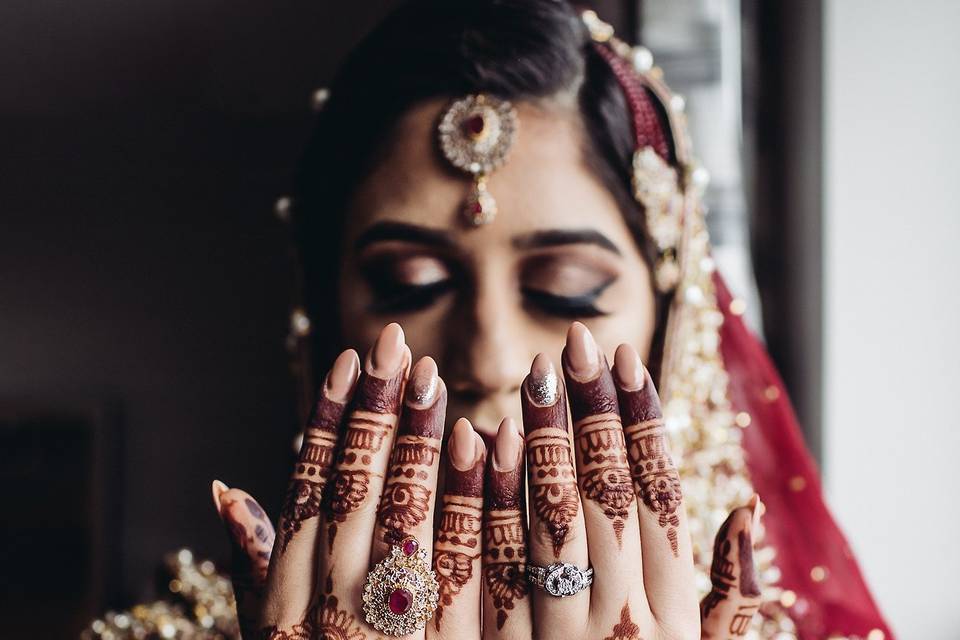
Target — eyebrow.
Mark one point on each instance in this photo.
(559, 237)
(405, 232)
(386, 231)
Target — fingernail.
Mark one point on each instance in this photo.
(422, 390)
(628, 368)
(582, 353)
(542, 383)
(465, 445)
(342, 376)
(218, 489)
(757, 509)
(387, 355)
(465, 461)
(506, 449)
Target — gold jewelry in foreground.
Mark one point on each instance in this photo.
(401, 592)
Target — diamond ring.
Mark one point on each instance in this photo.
(560, 579)
(401, 592)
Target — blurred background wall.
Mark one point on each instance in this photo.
(891, 365)
(144, 287)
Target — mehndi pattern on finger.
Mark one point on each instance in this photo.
(306, 630)
(406, 499)
(553, 484)
(553, 487)
(334, 623)
(376, 405)
(655, 477)
(312, 471)
(626, 628)
(405, 503)
(604, 470)
(457, 546)
(732, 570)
(505, 542)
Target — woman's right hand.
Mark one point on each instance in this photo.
(375, 436)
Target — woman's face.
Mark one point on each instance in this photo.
(484, 301)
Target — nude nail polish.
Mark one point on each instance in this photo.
(463, 445)
(426, 402)
(387, 355)
(583, 357)
(422, 389)
(342, 376)
(507, 447)
(218, 488)
(628, 368)
(465, 461)
(542, 384)
(504, 477)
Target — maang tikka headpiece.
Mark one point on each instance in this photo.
(476, 133)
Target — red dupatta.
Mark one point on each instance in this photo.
(823, 584)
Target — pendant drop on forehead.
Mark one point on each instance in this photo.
(476, 133)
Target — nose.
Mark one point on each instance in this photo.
(488, 355)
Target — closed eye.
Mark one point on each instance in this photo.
(571, 307)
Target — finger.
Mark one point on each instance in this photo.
(506, 607)
(456, 550)
(606, 490)
(361, 463)
(556, 521)
(735, 597)
(668, 573)
(251, 537)
(295, 562)
(406, 508)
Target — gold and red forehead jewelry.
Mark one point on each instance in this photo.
(476, 133)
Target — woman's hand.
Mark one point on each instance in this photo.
(611, 502)
(365, 480)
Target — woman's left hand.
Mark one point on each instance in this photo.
(611, 502)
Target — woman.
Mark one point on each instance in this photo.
(483, 174)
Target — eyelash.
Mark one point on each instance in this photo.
(399, 298)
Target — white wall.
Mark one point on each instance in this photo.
(892, 300)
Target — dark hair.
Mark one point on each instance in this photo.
(514, 49)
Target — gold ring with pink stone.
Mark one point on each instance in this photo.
(401, 592)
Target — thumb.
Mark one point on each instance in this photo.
(251, 536)
(731, 605)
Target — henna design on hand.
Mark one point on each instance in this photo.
(733, 569)
(303, 631)
(323, 621)
(406, 500)
(721, 571)
(405, 503)
(376, 404)
(605, 477)
(740, 624)
(655, 477)
(626, 629)
(457, 545)
(334, 623)
(252, 537)
(305, 492)
(505, 541)
(749, 581)
(553, 487)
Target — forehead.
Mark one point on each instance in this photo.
(545, 182)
